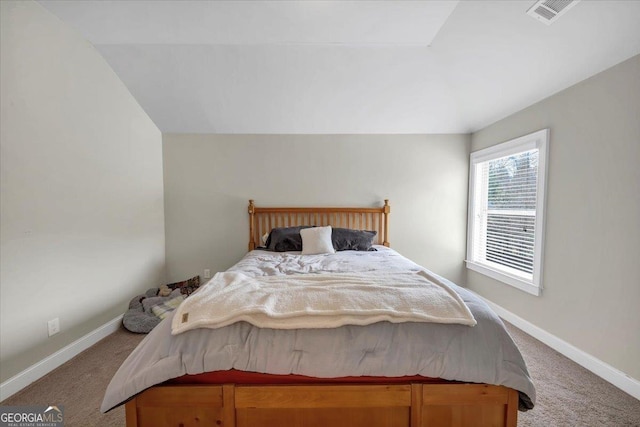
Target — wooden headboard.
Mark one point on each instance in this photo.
(262, 220)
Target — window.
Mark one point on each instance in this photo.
(506, 211)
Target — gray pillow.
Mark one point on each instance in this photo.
(135, 319)
(346, 239)
(284, 239)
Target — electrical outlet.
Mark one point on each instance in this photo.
(53, 326)
(207, 273)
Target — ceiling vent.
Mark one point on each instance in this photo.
(548, 11)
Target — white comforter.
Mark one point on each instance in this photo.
(330, 300)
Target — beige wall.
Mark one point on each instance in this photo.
(82, 228)
(591, 279)
(209, 179)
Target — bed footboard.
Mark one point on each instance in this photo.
(415, 405)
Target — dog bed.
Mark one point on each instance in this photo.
(140, 317)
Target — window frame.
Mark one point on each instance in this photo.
(536, 140)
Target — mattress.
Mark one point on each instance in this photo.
(484, 353)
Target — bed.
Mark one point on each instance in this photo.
(382, 374)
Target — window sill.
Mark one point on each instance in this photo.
(516, 282)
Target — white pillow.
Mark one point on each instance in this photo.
(317, 240)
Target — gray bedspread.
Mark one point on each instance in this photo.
(484, 353)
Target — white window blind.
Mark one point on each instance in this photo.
(506, 211)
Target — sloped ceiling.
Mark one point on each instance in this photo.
(310, 67)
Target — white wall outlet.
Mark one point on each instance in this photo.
(207, 273)
(54, 326)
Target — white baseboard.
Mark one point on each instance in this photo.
(605, 371)
(48, 364)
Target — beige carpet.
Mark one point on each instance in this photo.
(79, 384)
(568, 395)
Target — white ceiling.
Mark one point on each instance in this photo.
(347, 66)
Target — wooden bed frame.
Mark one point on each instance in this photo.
(439, 404)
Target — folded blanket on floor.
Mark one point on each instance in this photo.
(163, 309)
